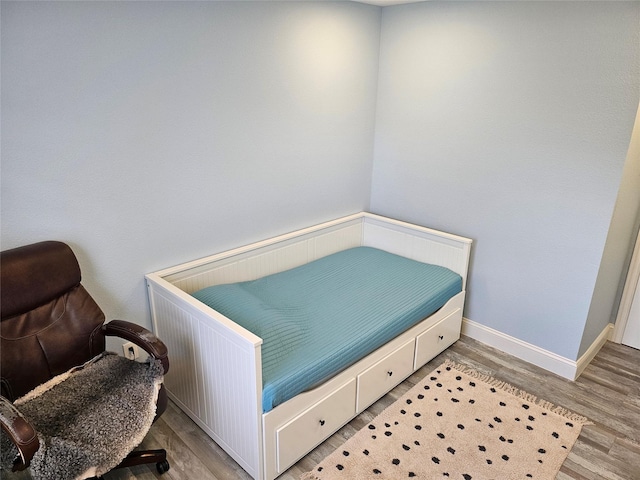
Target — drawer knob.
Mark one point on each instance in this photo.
(389, 373)
(321, 423)
(441, 337)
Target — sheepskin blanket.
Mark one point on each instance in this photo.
(90, 418)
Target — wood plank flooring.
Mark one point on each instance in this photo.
(608, 393)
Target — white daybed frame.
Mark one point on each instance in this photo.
(216, 374)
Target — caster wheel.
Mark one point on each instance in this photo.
(162, 467)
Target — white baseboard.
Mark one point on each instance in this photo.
(593, 350)
(550, 361)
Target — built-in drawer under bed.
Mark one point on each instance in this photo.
(319, 318)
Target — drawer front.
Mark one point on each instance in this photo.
(384, 375)
(310, 428)
(437, 338)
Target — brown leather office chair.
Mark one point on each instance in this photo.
(49, 325)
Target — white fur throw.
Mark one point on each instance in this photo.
(90, 418)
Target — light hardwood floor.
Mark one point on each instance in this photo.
(608, 393)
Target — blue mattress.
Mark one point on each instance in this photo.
(317, 319)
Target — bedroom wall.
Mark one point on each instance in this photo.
(618, 250)
(509, 122)
(146, 134)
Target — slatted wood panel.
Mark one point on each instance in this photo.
(420, 246)
(608, 392)
(239, 266)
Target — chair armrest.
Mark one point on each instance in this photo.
(141, 337)
(20, 431)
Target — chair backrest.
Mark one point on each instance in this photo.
(49, 323)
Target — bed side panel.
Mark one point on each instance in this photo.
(178, 329)
(421, 244)
(214, 376)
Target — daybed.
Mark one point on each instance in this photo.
(217, 363)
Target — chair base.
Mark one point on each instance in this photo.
(143, 457)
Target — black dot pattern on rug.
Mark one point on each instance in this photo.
(507, 425)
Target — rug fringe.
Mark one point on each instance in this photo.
(515, 391)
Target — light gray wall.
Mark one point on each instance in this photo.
(509, 122)
(618, 249)
(146, 134)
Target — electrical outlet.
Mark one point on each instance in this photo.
(131, 351)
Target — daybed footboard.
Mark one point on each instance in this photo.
(216, 374)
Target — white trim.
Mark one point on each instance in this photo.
(528, 352)
(593, 350)
(633, 277)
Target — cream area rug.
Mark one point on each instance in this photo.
(458, 424)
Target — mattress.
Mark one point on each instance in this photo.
(317, 319)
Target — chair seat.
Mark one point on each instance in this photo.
(89, 418)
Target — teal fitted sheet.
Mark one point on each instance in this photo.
(317, 319)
